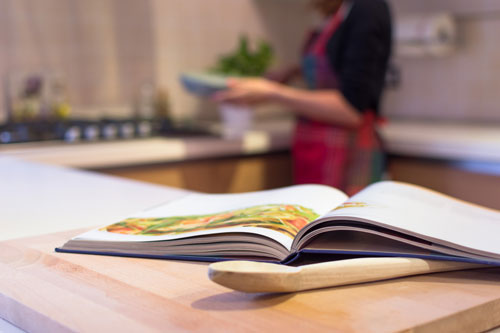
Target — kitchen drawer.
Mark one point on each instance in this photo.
(216, 175)
(449, 178)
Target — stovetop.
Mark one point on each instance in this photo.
(76, 130)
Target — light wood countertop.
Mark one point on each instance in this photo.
(46, 291)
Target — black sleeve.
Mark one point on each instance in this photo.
(361, 52)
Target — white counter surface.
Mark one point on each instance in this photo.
(446, 141)
(37, 199)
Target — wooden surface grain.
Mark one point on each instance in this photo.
(41, 290)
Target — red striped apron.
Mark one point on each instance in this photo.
(345, 158)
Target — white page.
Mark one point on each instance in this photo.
(321, 199)
(425, 212)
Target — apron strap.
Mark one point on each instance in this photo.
(319, 46)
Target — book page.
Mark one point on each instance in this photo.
(419, 211)
(278, 214)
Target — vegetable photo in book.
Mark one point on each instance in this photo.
(287, 219)
(385, 219)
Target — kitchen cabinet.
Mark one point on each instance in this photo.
(256, 161)
(215, 175)
(461, 160)
(449, 178)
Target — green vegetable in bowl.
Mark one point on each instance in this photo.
(245, 62)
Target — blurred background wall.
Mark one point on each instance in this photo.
(102, 49)
(462, 86)
(105, 50)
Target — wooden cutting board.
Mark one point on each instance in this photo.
(41, 290)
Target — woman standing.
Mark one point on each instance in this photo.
(344, 65)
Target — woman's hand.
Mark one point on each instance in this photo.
(328, 106)
(249, 91)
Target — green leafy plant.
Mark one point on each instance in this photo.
(244, 61)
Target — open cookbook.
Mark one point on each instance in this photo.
(385, 219)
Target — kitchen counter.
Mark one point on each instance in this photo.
(40, 199)
(37, 199)
(257, 159)
(446, 141)
(47, 291)
(456, 159)
(260, 159)
(265, 138)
